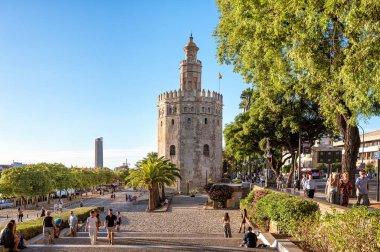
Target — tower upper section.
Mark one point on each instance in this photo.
(190, 68)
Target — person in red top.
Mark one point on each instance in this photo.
(345, 187)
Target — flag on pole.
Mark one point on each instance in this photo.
(220, 76)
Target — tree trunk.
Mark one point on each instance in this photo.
(351, 139)
(291, 172)
(163, 192)
(157, 195)
(151, 204)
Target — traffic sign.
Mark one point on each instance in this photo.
(376, 155)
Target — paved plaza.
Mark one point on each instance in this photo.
(186, 226)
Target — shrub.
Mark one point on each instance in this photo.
(357, 229)
(33, 228)
(208, 186)
(284, 209)
(258, 194)
(220, 193)
(253, 196)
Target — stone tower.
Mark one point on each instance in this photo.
(190, 125)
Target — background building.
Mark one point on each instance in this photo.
(368, 145)
(99, 152)
(190, 125)
(14, 164)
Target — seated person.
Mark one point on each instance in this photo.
(250, 239)
(8, 238)
(19, 238)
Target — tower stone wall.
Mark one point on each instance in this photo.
(190, 125)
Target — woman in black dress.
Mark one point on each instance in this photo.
(243, 221)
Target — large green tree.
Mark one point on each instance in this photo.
(330, 47)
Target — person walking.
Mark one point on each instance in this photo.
(43, 212)
(345, 187)
(227, 226)
(118, 221)
(243, 221)
(310, 187)
(48, 229)
(73, 223)
(20, 214)
(109, 225)
(279, 182)
(303, 183)
(362, 189)
(92, 227)
(58, 224)
(331, 190)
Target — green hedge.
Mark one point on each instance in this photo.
(33, 228)
(356, 229)
(284, 209)
(252, 197)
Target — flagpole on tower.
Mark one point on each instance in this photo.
(219, 77)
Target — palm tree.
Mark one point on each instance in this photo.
(150, 173)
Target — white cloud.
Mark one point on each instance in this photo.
(81, 158)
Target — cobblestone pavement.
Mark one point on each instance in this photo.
(185, 215)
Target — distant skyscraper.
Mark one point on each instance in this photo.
(99, 152)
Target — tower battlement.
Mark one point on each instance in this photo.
(175, 94)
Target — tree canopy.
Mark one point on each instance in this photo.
(324, 51)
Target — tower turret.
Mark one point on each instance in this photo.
(190, 68)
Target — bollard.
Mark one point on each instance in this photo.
(27, 216)
(37, 215)
(7, 216)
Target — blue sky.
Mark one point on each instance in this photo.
(71, 71)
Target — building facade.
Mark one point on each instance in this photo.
(190, 125)
(369, 144)
(99, 152)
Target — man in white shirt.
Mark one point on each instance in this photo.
(92, 227)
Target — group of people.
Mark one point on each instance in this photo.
(10, 239)
(52, 227)
(249, 238)
(338, 190)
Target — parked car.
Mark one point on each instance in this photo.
(316, 173)
(5, 203)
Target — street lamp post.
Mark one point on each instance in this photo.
(362, 164)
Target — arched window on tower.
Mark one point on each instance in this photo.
(205, 120)
(172, 121)
(209, 110)
(189, 120)
(172, 150)
(170, 110)
(206, 150)
(185, 109)
(161, 123)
